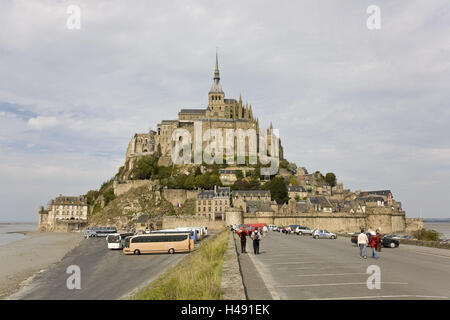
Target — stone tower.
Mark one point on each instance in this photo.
(216, 96)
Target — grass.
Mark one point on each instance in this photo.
(197, 277)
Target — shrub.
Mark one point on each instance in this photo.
(109, 196)
(427, 235)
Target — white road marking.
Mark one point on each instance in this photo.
(393, 296)
(334, 284)
(300, 262)
(329, 274)
(305, 268)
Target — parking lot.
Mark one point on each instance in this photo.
(300, 267)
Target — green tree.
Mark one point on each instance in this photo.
(202, 181)
(189, 183)
(330, 178)
(239, 174)
(241, 185)
(293, 181)
(284, 163)
(180, 180)
(278, 190)
(145, 167)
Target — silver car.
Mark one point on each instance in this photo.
(321, 233)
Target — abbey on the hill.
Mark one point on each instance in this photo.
(221, 113)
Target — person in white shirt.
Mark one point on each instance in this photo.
(362, 243)
(256, 237)
(264, 230)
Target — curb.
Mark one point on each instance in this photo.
(232, 284)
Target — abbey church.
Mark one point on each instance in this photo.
(221, 113)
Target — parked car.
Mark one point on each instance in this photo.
(354, 238)
(388, 242)
(321, 233)
(303, 230)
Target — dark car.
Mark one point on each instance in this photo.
(389, 242)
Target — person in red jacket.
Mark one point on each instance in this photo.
(373, 243)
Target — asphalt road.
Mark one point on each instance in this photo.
(300, 267)
(105, 274)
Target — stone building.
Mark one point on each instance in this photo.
(64, 214)
(227, 176)
(213, 203)
(220, 113)
(297, 192)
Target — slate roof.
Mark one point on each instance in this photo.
(249, 193)
(258, 206)
(296, 189)
(220, 192)
(65, 200)
(384, 193)
(301, 206)
(192, 111)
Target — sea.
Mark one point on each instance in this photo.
(10, 231)
(441, 227)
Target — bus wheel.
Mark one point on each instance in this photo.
(137, 252)
(171, 251)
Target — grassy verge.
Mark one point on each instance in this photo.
(198, 277)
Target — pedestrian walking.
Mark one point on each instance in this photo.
(256, 237)
(264, 231)
(373, 243)
(243, 236)
(362, 243)
(378, 235)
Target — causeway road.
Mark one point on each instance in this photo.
(300, 268)
(105, 274)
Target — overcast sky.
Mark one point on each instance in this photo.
(372, 106)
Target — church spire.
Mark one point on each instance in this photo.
(216, 71)
(216, 87)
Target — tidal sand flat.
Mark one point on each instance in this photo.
(23, 258)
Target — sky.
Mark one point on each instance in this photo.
(372, 106)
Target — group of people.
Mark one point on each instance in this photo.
(373, 241)
(255, 235)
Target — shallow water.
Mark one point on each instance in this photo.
(442, 227)
(9, 231)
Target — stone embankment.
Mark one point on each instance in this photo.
(232, 285)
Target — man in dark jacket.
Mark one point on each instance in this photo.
(243, 236)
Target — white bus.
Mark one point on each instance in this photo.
(116, 240)
(169, 242)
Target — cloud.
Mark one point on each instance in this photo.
(371, 106)
(42, 122)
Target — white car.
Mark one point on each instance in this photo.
(321, 233)
(303, 230)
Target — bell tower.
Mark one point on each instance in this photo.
(216, 96)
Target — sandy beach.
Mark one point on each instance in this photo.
(21, 259)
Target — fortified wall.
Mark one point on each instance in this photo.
(171, 222)
(334, 222)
